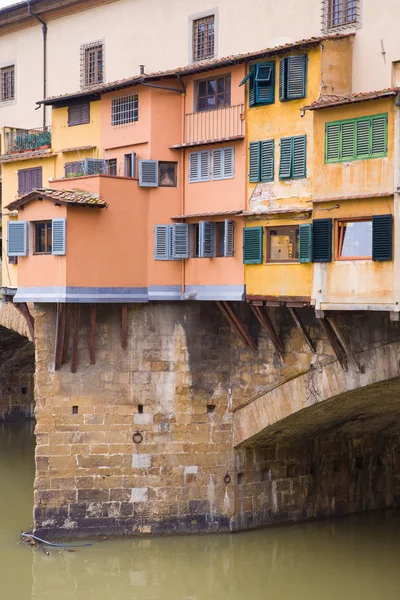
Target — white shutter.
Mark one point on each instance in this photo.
(207, 239)
(148, 173)
(58, 234)
(204, 165)
(17, 238)
(229, 239)
(229, 163)
(162, 242)
(217, 164)
(180, 237)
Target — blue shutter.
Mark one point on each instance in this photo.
(133, 164)
(305, 243)
(58, 233)
(229, 239)
(194, 167)
(228, 163)
(296, 76)
(254, 162)
(148, 173)
(382, 237)
(207, 239)
(322, 240)
(17, 238)
(217, 166)
(204, 167)
(285, 164)
(162, 234)
(252, 245)
(180, 240)
(94, 166)
(267, 160)
(299, 157)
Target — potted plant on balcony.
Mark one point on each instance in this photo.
(44, 140)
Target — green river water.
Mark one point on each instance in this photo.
(350, 558)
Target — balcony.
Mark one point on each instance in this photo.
(212, 126)
(18, 141)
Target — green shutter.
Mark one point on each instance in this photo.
(305, 243)
(379, 135)
(332, 141)
(267, 160)
(322, 240)
(363, 138)
(296, 76)
(299, 157)
(285, 164)
(282, 79)
(348, 140)
(382, 237)
(254, 162)
(264, 82)
(252, 245)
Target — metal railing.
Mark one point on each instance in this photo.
(214, 125)
(16, 140)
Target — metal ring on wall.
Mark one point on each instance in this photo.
(137, 437)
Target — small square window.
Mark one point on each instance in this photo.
(283, 244)
(354, 239)
(167, 174)
(203, 38)
(7, 83)
(42, 233)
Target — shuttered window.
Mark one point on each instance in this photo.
(171, 242)
(261, 80)
(130, 164)
(322, 240)
(78, 114)
(252, 245)
(17, 238)
(148, 173)
(293, 77)
(94, 166)
(292, 163)
(305, 243)
(59, 237)
(223, 163)
(199, 166)
(261, 161)
(73, 168)
(355, 139)
(29, 179)
(382, 237)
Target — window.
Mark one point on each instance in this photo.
(125, 109)
(28, 180)
(73, 168)
(355, 139)
(7, 83)
(261, 78)
(194, 240)
(253, 245)
(130, 165)
(340, 13)
(203, 38)
(283, 244)
(199, 166)
(213, 93)
(167, 174)
(261, 161)
(42, 237)
(293, 77)
(223, 163)
(78, 114)
(171, 242)
(293, 158)
(354, 239)
(111, 166)
(92, 64)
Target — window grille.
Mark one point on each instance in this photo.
(125, 109)
(203, 38)
(92, 64)
(7, 83)
(340, 14)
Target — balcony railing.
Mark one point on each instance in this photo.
(17, 141)
(214, 125)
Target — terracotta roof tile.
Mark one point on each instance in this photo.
(8, 158)
(333, 100)
(209, 214)
(66, 197)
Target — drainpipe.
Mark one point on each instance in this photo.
(44, 34)
(395, 314)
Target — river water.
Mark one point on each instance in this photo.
(350, 558)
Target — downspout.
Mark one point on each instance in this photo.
(395, 314)
(183, 177)
(44, 35)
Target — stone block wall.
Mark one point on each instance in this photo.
(17, 365)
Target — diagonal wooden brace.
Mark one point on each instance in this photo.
(236, 324)
(266, 323)
(297, 319)
(22, 308)
(349, 353)
(335, 343)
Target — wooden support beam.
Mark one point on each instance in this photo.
(60, 333)
(92, 336)
(350, 354)
(335, 343)
(297, 319)
(22, 308)
(124, 326)
(266, 323)
(236, 324)
(67, 333)
(75, 339)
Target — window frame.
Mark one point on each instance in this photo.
(194, 240)
(99, 72)
(117, 111)
(112, 165)
(330, 14)
(82, 119)
(3, 70)
(282, 229)
(48, 233)
(226, 76)
(292, 158)
(175, 165)
(195, 21)
(355, 120)
(25, 171)
(337, 223)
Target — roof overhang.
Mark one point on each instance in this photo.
(58, 197)
(332, 101)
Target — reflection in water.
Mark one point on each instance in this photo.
(344, 559)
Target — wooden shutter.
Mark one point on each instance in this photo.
(207, 239)
(72, 168)
(204, 170)
(285, 164)
(180, 240)
(322, 240)
(305, 243)
(332, 142)
(36, 175)
(299, 157)
(348, 140)
(78, 114)
(296, 76)
(162, 235)
(252, 245)
(29, 179)
(264, 83)
(17, 238)
(58, 229)
(148, 173)
(217, 168)
(229, 238)
(228, 164)
(194, 163)
(282, 79)
(382, 237)
(363, 144)
(22, 182)
(379, 135)
(254, 162)
(267, 160)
